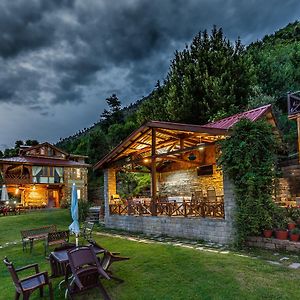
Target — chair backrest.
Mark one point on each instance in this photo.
(211, 194)
(82, 256)
(199, 195)
(87, 229)
(13, 273)
(58, 235)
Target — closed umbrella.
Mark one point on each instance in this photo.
(74, 227)
(4, 194)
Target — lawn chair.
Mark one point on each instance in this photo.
(28, 285)
(85, 271)
(107, 260)
(87, 230)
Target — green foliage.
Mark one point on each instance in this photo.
(249, 158)
(83, 209)
(133, 184)
(277, 61)
(206, 77)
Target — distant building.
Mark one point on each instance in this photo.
(43, 175)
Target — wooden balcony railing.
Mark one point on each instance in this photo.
(171, 209)
(16, 179)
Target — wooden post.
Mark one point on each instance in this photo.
(298, 131)
(153, 172)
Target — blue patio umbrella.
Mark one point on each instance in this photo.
(74, 227)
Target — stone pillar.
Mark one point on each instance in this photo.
(110, 187)
(229, 207)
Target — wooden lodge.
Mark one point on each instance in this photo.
(190, 196)
(42, 176)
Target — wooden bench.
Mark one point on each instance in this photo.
(40, 233)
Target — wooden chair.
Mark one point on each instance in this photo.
(211, 195)
(87, 230)
(108, 259)
(85, 271)
(28, 285)
(56, 238)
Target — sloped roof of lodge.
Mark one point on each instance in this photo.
(169, 135)
(41, 161)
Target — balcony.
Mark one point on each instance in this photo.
(16, 179)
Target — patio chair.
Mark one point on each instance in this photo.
(87, 230)
(85, 271)
(56, 238)
(108, 259)
(28, 285)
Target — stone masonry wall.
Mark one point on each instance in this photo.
(273, 244)
(208, 229)
(185, 182)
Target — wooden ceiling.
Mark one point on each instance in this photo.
(162, 141)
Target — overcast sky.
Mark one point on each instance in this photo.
(60, 59)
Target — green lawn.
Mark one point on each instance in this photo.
(157, 271)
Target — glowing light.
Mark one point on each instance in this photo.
(7, 202)
(33, 187)
(146, 160)
(15, 202)
(17, 191)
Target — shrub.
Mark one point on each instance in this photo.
(249, 158)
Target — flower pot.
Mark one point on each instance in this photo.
(268, 233)
(294, 237)
(281, 234)
(291, 226)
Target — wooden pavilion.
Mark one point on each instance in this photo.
(190, 197)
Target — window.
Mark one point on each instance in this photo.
(205, 170)
(78, 173)
(78, 194)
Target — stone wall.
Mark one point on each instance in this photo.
(185, 182)
(273, 244)
(81, 183)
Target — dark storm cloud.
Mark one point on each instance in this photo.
(52, 52)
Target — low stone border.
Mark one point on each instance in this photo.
(273, 244)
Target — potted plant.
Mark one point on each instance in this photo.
(295, 234)
(291, 224)
(281, 232)
(268, 227)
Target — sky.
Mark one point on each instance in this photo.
(60, 59)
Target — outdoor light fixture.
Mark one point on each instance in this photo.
(17, 191)
(201, 146)
(33, 187)
(15, 202)
(146, 160)
(7, 202)
(192, 156)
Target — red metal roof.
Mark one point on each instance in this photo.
(253, 115)
(42, 161)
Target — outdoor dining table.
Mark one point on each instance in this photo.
(59, 260)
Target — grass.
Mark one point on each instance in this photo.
(158, 271)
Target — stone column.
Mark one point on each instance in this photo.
(229, 207)
(110, 187)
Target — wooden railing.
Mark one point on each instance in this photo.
(171, 209)
(16, 179)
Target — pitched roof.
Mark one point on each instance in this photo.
(30, 160)
(139, 141)
(26, 150)
(253, 115)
